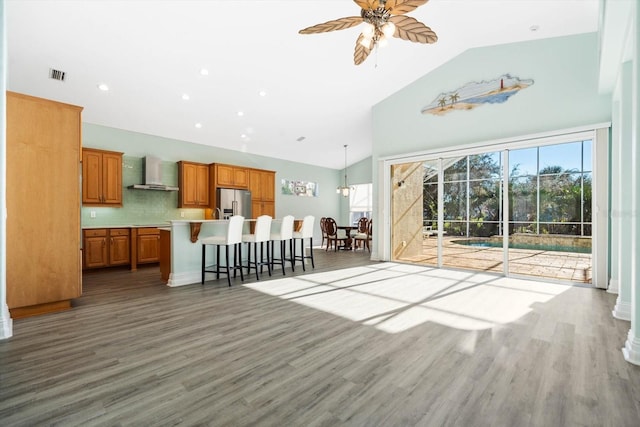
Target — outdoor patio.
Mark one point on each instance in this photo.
(565, 266)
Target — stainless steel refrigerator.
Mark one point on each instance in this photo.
(231, 202)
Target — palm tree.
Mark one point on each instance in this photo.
(454, 98)
(442, 102)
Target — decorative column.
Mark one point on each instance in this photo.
(615, 195)
(6, 326)
(631, 350)
(622, 310)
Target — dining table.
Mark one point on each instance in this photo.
(347, 229)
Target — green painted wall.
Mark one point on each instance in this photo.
(156, 206)
(564, 95)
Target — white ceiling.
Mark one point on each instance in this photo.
(150, 53)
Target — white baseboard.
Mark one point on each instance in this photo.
(631, 350)
(613, 286)
(6, 323)
(186, 278)
(622, 310)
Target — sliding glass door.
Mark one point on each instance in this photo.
(466, 217)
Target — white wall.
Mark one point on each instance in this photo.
(6, 329)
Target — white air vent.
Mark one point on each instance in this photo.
(56, 74)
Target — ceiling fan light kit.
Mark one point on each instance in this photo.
(383, 19)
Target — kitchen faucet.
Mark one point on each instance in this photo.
(219, 213)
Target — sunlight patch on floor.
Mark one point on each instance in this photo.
(396, 297)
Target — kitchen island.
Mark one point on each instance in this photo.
(185, 259)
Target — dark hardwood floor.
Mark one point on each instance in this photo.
(136, 352)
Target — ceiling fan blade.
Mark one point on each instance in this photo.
(408, 28)
(361, 52)
(367, 4)
(337, 24)
(400, 7)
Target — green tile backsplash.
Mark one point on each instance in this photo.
(141, 207)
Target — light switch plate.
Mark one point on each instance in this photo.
(93, 214)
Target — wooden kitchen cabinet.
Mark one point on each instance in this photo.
(262, 187)
(43, 256)
(119, 246)
(229, 176)
(104, 247)
(101, 178)
(94, 244)
(148, 245)
(193, 185)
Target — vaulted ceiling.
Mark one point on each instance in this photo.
(269, 90)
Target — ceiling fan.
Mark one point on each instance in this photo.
(384, 18)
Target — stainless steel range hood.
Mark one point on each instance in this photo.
(152, 171)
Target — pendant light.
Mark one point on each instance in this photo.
(344, 190)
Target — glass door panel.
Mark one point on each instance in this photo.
(550, 212)
(472, 200)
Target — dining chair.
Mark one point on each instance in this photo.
(232, 237)
(285, 234)
(306, 232)
(323, 230)
(360, 228)
(261, 234)
(334, 236)
(365, 238)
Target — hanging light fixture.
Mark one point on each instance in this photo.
(344, 190)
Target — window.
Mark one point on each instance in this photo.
(360, 202)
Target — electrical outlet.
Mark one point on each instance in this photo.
(181, 214)
(93, 214)
(404, 243)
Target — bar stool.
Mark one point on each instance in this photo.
(232, 238)
(306, 232)
(261, 234)
(285, 233)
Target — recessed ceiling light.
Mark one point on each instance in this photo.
(534, 28)
(185, 96)
(263, 93)
(243, 136)
(103, 87)
(204, 72)
(198, 125)
(240, 113)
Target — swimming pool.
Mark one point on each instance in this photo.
(492, 244)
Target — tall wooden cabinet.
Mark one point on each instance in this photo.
(101, 178)
(262, 187)
(193, 185)
(43, 259)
